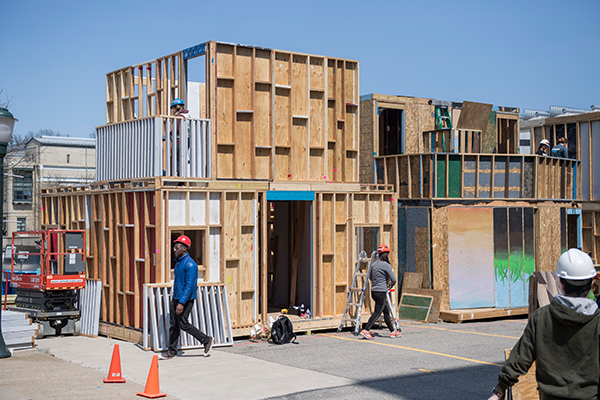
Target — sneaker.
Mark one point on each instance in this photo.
(208, 347)
(395, 334)
(167, 356)
(366, 334)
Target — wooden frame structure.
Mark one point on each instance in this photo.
(480, 176)
(276, 115)
(131, 225)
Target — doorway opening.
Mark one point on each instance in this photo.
(196, 96)
(391, 131)
(289, 263)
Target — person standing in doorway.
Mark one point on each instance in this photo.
(382, 278)
(560, 150)
(563, 337)
(184, 295)
(543, 149)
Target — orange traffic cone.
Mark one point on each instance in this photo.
(114, 373)
(152, 390)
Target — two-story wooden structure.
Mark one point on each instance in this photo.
(263, 176)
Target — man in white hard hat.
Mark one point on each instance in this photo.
(563, 337)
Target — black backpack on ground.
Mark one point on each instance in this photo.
(282, 331)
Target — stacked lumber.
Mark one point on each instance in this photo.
(18, 331)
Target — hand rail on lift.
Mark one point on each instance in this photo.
(5, 291)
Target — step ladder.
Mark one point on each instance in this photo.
(356, 291)
(442, 118)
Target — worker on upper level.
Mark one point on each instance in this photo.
(563, 337)
(543, 149)
(560, 150)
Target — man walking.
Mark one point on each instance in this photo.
(184, 294)
(563, 337)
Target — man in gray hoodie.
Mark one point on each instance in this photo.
(382, 278)
(563, 337)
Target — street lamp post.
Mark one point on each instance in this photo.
(7, 123)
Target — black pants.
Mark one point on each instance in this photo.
(380, 306)
(180, 322)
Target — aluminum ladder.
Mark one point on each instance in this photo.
(362, 258)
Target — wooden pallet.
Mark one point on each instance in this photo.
(475, 314)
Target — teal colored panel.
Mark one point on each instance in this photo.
(441, 177)
(454, 173)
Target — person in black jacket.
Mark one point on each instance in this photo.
(563, 337)
(543, 149)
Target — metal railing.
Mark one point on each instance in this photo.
(152, 147)
(480, 176)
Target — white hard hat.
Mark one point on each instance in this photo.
(575, 265)
(545, 141)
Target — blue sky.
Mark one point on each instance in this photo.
(530, 54)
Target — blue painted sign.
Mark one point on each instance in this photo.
(194, 51)
(290, 195)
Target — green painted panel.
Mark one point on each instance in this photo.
(418, 301)
(441, 177)
(408, 312)
(454, 174)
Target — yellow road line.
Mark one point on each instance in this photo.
(410, 348)
(456, 330)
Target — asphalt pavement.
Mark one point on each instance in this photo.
(450, 361)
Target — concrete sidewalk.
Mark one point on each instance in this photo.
(223, 375)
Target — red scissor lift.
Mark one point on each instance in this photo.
(47, 271)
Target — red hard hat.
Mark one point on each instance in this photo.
(383, 248)
(184, 240)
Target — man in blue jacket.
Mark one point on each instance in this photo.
(184, 294)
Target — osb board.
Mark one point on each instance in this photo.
(526, 387)
(412, 280)
(439, 248)
(549, 238)
(434, 311)
(369, 140)
(412, 129)
(474, 116)
(490, 135)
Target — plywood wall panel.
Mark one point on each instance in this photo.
(299, 85)
(262, 115)
(243, 79)
(282, 117)
(317, 128)
(262, 66)
(317, 73)
(224, 60)
(439, 250)
(244, 150)
(298, 151)
(317, 167)
(225, 111)
(231, 225)
(327, 221)
(282, 69)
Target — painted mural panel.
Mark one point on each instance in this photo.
(517, 286)
(514, 255)
(471, 257)
(501, 270)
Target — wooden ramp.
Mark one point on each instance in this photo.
(475, 314)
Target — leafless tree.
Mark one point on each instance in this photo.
(4, 103)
